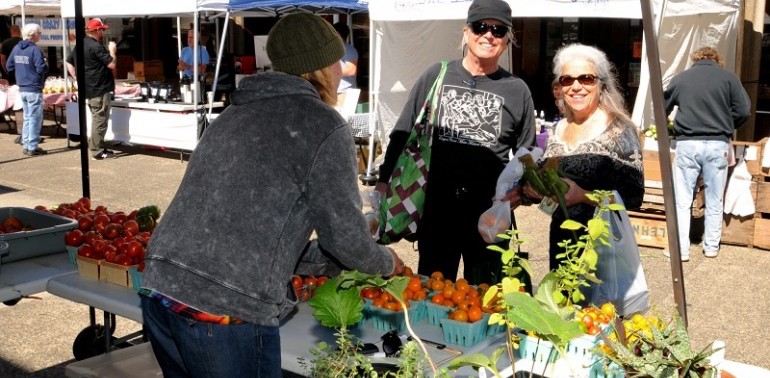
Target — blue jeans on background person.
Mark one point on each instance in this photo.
(32, 105)
(188, 348)
(693, 158)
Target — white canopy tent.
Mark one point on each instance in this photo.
(25, 7)
(396, 26)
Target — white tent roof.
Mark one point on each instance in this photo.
(131, 8)
(34, 7)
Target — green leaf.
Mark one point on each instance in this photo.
(616, 207)
(590, 257)
(336, 308)
(569, 224)
(546, 292)
(507, 256)
(596, 228)
(475, 360)
(528, 314)
(524, 264)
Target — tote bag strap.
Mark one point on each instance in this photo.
(431, 100)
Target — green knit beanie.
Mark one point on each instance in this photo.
(301, 43)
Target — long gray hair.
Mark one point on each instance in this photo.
(610, 98)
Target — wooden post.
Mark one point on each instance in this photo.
(659, 112)
(748, 60)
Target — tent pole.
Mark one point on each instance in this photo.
(656, 90)
(369, 178)
(80, 68)
(196, 87)
(219, 63)
(179, 41)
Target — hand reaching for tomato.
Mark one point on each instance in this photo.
(398, 265)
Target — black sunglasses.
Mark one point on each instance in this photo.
(584, 79)
(481, 28)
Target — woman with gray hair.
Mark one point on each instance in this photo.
(596, 144)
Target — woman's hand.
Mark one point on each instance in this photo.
(513, 196)
(531, 193)
(575, 194)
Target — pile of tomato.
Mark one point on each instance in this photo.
(592, 318)
(305, 286)
(115, 237)
(12, 224)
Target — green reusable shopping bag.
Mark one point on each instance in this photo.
(404, 200)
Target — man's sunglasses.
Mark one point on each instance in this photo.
(584, 79)
(481, 28)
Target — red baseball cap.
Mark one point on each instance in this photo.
(96, 24)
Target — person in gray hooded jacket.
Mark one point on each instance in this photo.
(276, 165)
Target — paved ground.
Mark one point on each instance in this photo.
(727, 297)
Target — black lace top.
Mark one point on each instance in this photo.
(611, 161)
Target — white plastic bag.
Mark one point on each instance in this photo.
(738, 199)
(620, 268)
(496, 220)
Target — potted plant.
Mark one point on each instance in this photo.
(650, 347)
(338, 305)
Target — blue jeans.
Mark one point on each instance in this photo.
(188, 348)
(693, 158)
(32, 105)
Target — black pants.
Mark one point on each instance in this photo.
(448, 230)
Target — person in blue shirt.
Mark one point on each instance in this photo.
(186, 59)
(29, 65)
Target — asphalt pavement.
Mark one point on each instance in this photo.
(727, 297)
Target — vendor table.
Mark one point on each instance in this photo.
(30, 276)
(299, 331)
(172, 125)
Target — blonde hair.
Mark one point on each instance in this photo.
(322, 81)
(707, 53)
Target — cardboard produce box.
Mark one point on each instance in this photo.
(45, 238)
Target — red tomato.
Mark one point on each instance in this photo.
(85, 223)
(86, 250)
(140, 267)
(118, 217)
(90, 236)
(588, 321)
(69, 213)
(135, 248)
(98, 246)
(86, 202)
(322, 279)
(101, 209)
(122, 259)
(102, 219)
(296, 282)
(131, 226)
(133, 214)
(112, 231)
(73, 238)
(118, 241)
(41, 208)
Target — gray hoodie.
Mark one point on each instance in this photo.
(275, 166)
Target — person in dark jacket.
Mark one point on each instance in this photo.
(277, 165)
(5, 52)
(483, 113)
(99, 86)
(29, 66)
(712, 104)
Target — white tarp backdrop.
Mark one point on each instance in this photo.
(410, 35)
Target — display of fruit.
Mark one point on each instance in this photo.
(592, 318)
(116, 237)
(652, 131)
(55, 84)
(305, 287)
(12, 224)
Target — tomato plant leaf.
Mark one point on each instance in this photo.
(336, 307)
(596, 228)
(572, 225)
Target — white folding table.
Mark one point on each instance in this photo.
(30, 276)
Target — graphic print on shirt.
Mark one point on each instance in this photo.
(471, 117)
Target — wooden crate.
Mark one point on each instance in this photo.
(649, 227)
(123, 65)
(762, 199)
(738, 230)
(762, 232)
(752, 153)
(116, 274)
(651, 163)
(89, 267)
(148, 68)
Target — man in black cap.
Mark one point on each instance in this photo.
(483, 113)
